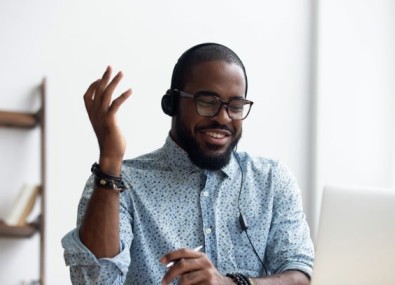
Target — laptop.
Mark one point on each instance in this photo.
(356, 237)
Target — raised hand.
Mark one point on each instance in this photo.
(102, 109)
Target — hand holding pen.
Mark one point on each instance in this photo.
(191, 267)
(173, 262)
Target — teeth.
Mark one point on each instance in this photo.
(216, 135)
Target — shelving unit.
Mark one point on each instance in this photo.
(30, 121)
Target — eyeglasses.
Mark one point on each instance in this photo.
(208, 105)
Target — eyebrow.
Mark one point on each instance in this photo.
(212, 93)
(206, 92)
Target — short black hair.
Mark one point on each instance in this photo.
(203, 53)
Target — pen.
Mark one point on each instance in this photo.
(195, 249)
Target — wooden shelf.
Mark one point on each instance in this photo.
(26, 231)
(18, 119)
(27, 121)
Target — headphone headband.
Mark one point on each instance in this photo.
(183, 57)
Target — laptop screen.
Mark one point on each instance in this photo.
(356, 237)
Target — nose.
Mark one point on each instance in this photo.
(222, 117)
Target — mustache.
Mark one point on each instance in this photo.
(215, 125)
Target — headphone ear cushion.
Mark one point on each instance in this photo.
(168, 104)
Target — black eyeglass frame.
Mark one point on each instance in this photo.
(223, 103)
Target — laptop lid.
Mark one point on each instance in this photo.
(356, 237)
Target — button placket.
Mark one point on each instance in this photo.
(208, 218)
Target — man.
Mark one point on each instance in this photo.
(195, 211)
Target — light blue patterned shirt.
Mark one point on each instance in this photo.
(170, 204)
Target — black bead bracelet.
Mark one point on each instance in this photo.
(239, 279)
(107, 181)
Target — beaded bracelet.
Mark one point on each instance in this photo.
(107, 181)
(240, 279)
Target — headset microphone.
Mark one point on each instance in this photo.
(243, 220)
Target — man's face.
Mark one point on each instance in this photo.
(209, 142)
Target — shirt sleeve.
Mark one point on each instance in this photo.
(289, 244)
(85, 268)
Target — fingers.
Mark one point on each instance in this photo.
(189, 265)
(119, 101)
(109, 89)
(99, 94)
(88, 96)
(180, 254)
(101, 86)
(187, 269)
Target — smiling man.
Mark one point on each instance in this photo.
(195, 211)
(214, 84)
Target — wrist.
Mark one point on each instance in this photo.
(111, 166)
(229, 281)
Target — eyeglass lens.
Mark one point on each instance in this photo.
(208, 105)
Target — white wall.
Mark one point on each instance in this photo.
(71, 43)
(355, 91)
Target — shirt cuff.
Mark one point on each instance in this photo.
(77, 254)
(306, 269)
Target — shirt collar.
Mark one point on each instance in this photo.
(179, 160)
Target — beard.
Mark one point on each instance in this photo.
(198, 155)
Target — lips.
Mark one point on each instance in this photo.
(216, 136)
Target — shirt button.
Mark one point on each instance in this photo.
(205, 194)
(208, 230)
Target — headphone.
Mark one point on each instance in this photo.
(170, 100)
